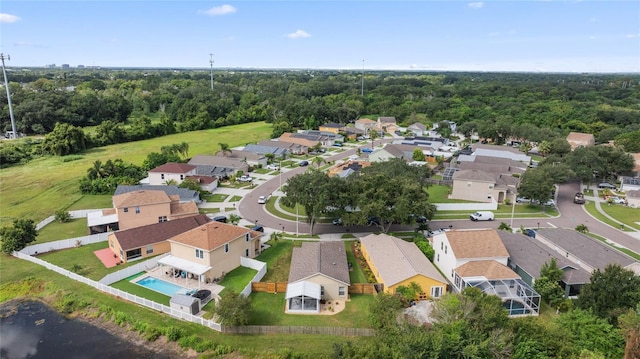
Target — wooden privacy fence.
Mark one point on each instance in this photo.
(362, 288)
(269, 287)
(269, 329)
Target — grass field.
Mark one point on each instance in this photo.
(627, 215)
(356, 275)
(237, 279)
(278, 259)
(56, 231)
(440, 194)
(39, 188)
(591, 208)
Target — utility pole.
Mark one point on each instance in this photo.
(362, 76)
(211, 63)
(14, 135)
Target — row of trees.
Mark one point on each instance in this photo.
(383, 193)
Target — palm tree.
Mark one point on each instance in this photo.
(171, 182)
(373, 133)
(224, 148)
(318, 161)
(234, 219)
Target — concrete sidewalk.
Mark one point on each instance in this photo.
(598, 203)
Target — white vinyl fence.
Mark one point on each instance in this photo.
(131, 270)
(74, 214)
(261, 267)
(467, 206)
(64, 244)
(124, 295)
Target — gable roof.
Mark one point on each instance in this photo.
(327, 258)
(185, 194)
(397, 260)
(477, 243)
(174, 167)
(178, 209)
(417, 126)
(473, 175)
(242, 155)
(140, 198)
(218, 161)
(365, 121)
(580, 137)
(292, 138)
(530, 255)
(332, 125)
(489, 269)
(590, 251)
(202, 179)
(157, 232)
(387, 120)
(393, 150)
(281, 144)
(212, 235)
(264, 149)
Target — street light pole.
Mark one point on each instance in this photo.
(6, 85)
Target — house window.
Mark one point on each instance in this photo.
(226, 247)
(441, 245)
(452, 273)
(246, 252)
(445, 249)
(149, 249)
(181, 177)
(199, 253)
(436, 292)
(162, 176)
(111, 243)
(341, 291)
(457, 281)
(322, 290)
(438, 258)
(247, 237)
(162, 219)
(137, 210)
(125, 209)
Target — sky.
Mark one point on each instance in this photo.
(522, 36)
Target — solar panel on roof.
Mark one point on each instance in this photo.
(448, 173)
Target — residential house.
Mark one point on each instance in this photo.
(481, 186)
(395, 262)
(430, 142)
(184, 194)
(150, 240)
(219, 166)
(527, 256)
(579, 139)
(365, 124)
(584, 251)
(418, 129)
(277, 152)
(452, 125)
(207, 183)
(332, 127)
(171, 171)
(301, 141)
(629, 183)
(344, 169)
(319, 271)
(140, 208)
(211, 250)
(633, 198)
(293, 148)
(496, 151)
(636, 167)
(386, 153)
(387, 124)
(251, 158)
(478, 258)
(352, 133)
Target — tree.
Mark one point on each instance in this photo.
(629, 141)
(548, 283)
(426, 249)
(318, 161)
(18, 236)
(544, 148)
(582, 228)
(373, 134)
(418, 155)
(536, 185)
(505, 227)
(234, 219)
(224, 148)
(410, 292)
(591, 335)
(65, 139)
(611, 292)
(383, 310)
(62, 216)
(629, 322)
(444, 129)
(155, 159)
(233, 308)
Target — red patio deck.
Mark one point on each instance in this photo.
(107, 258)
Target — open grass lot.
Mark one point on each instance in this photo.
(56, 231)
(268, 309)
(92, 201)
(52, 287)
(83, 256)
(591, 208)
(627, 215)
(237, 279)
(278, 259)
(356, 275)
(39, 188)
(141, 291)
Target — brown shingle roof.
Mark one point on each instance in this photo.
(289, 137)
(157, 232)
(140, 198)
(580, 137)
(173, 167)
(365, 121)
(387, 120)
(202, 179)
(473, 175)
(491, 270)
(183, 208)
(219, 161)
(328, 258)
(476, 244)
(213, 235)
(397, 260)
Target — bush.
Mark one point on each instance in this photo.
(173, 333)
(62, 216)
(152, 334)
(189, 342)
(140, 327)
(121, 318)
(70, 303)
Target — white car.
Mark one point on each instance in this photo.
(550, 202)
(617, 200)
(245, 178)
(262, 199)
(272, 167)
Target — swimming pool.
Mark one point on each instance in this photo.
(161, 286)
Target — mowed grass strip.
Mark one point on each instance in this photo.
(238, 279)
(627, 215)
(356, 275)
(278, 259)
(590, 206)
(39, 188)
(56, 231)
(268, 309)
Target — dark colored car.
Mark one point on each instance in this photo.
(303, 163)
(222, 219)
(337, 222)
(258, 228)
(366, 149)
(373, 221)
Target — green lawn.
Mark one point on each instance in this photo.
(215, 197)
(356, 275)
(268, 309)
(238, 278)
(92, 201)
(278, 259)
(44, 185)
(235, 199)
(141, 291)
(504, 212)
(627, 215)
(590, 206)
(83, 256)
(55, 231)
(440, 193)
(208, 210)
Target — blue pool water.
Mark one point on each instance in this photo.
(161, 286)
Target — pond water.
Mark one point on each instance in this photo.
(36, 331)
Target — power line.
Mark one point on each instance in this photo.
(6, 85)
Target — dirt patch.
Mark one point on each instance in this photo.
(419, 314)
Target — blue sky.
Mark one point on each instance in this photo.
(549, 36)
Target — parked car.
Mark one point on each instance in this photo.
(550, 202)
(366, 149)
(337, 144)
(303, 163)
(482, 216)
(262, 199)
(606, 185)
(222, 219)
(272, 167)
(337, 222)
(360, 138)
(258, 228)
(523, 200)
(245, 178)
(617, 200)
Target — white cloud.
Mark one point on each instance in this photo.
(220, 10)
(26, 44)
(476, 5)
(8, 18)
(632, 36)
(298, 34)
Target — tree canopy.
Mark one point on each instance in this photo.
(18, 236)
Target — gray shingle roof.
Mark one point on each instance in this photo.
(588, 250)
(186, 195)
(529, 254)
(261, 149)
(327, 258)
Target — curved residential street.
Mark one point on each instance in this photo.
(570, 216)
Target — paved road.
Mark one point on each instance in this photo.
(571, 214)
